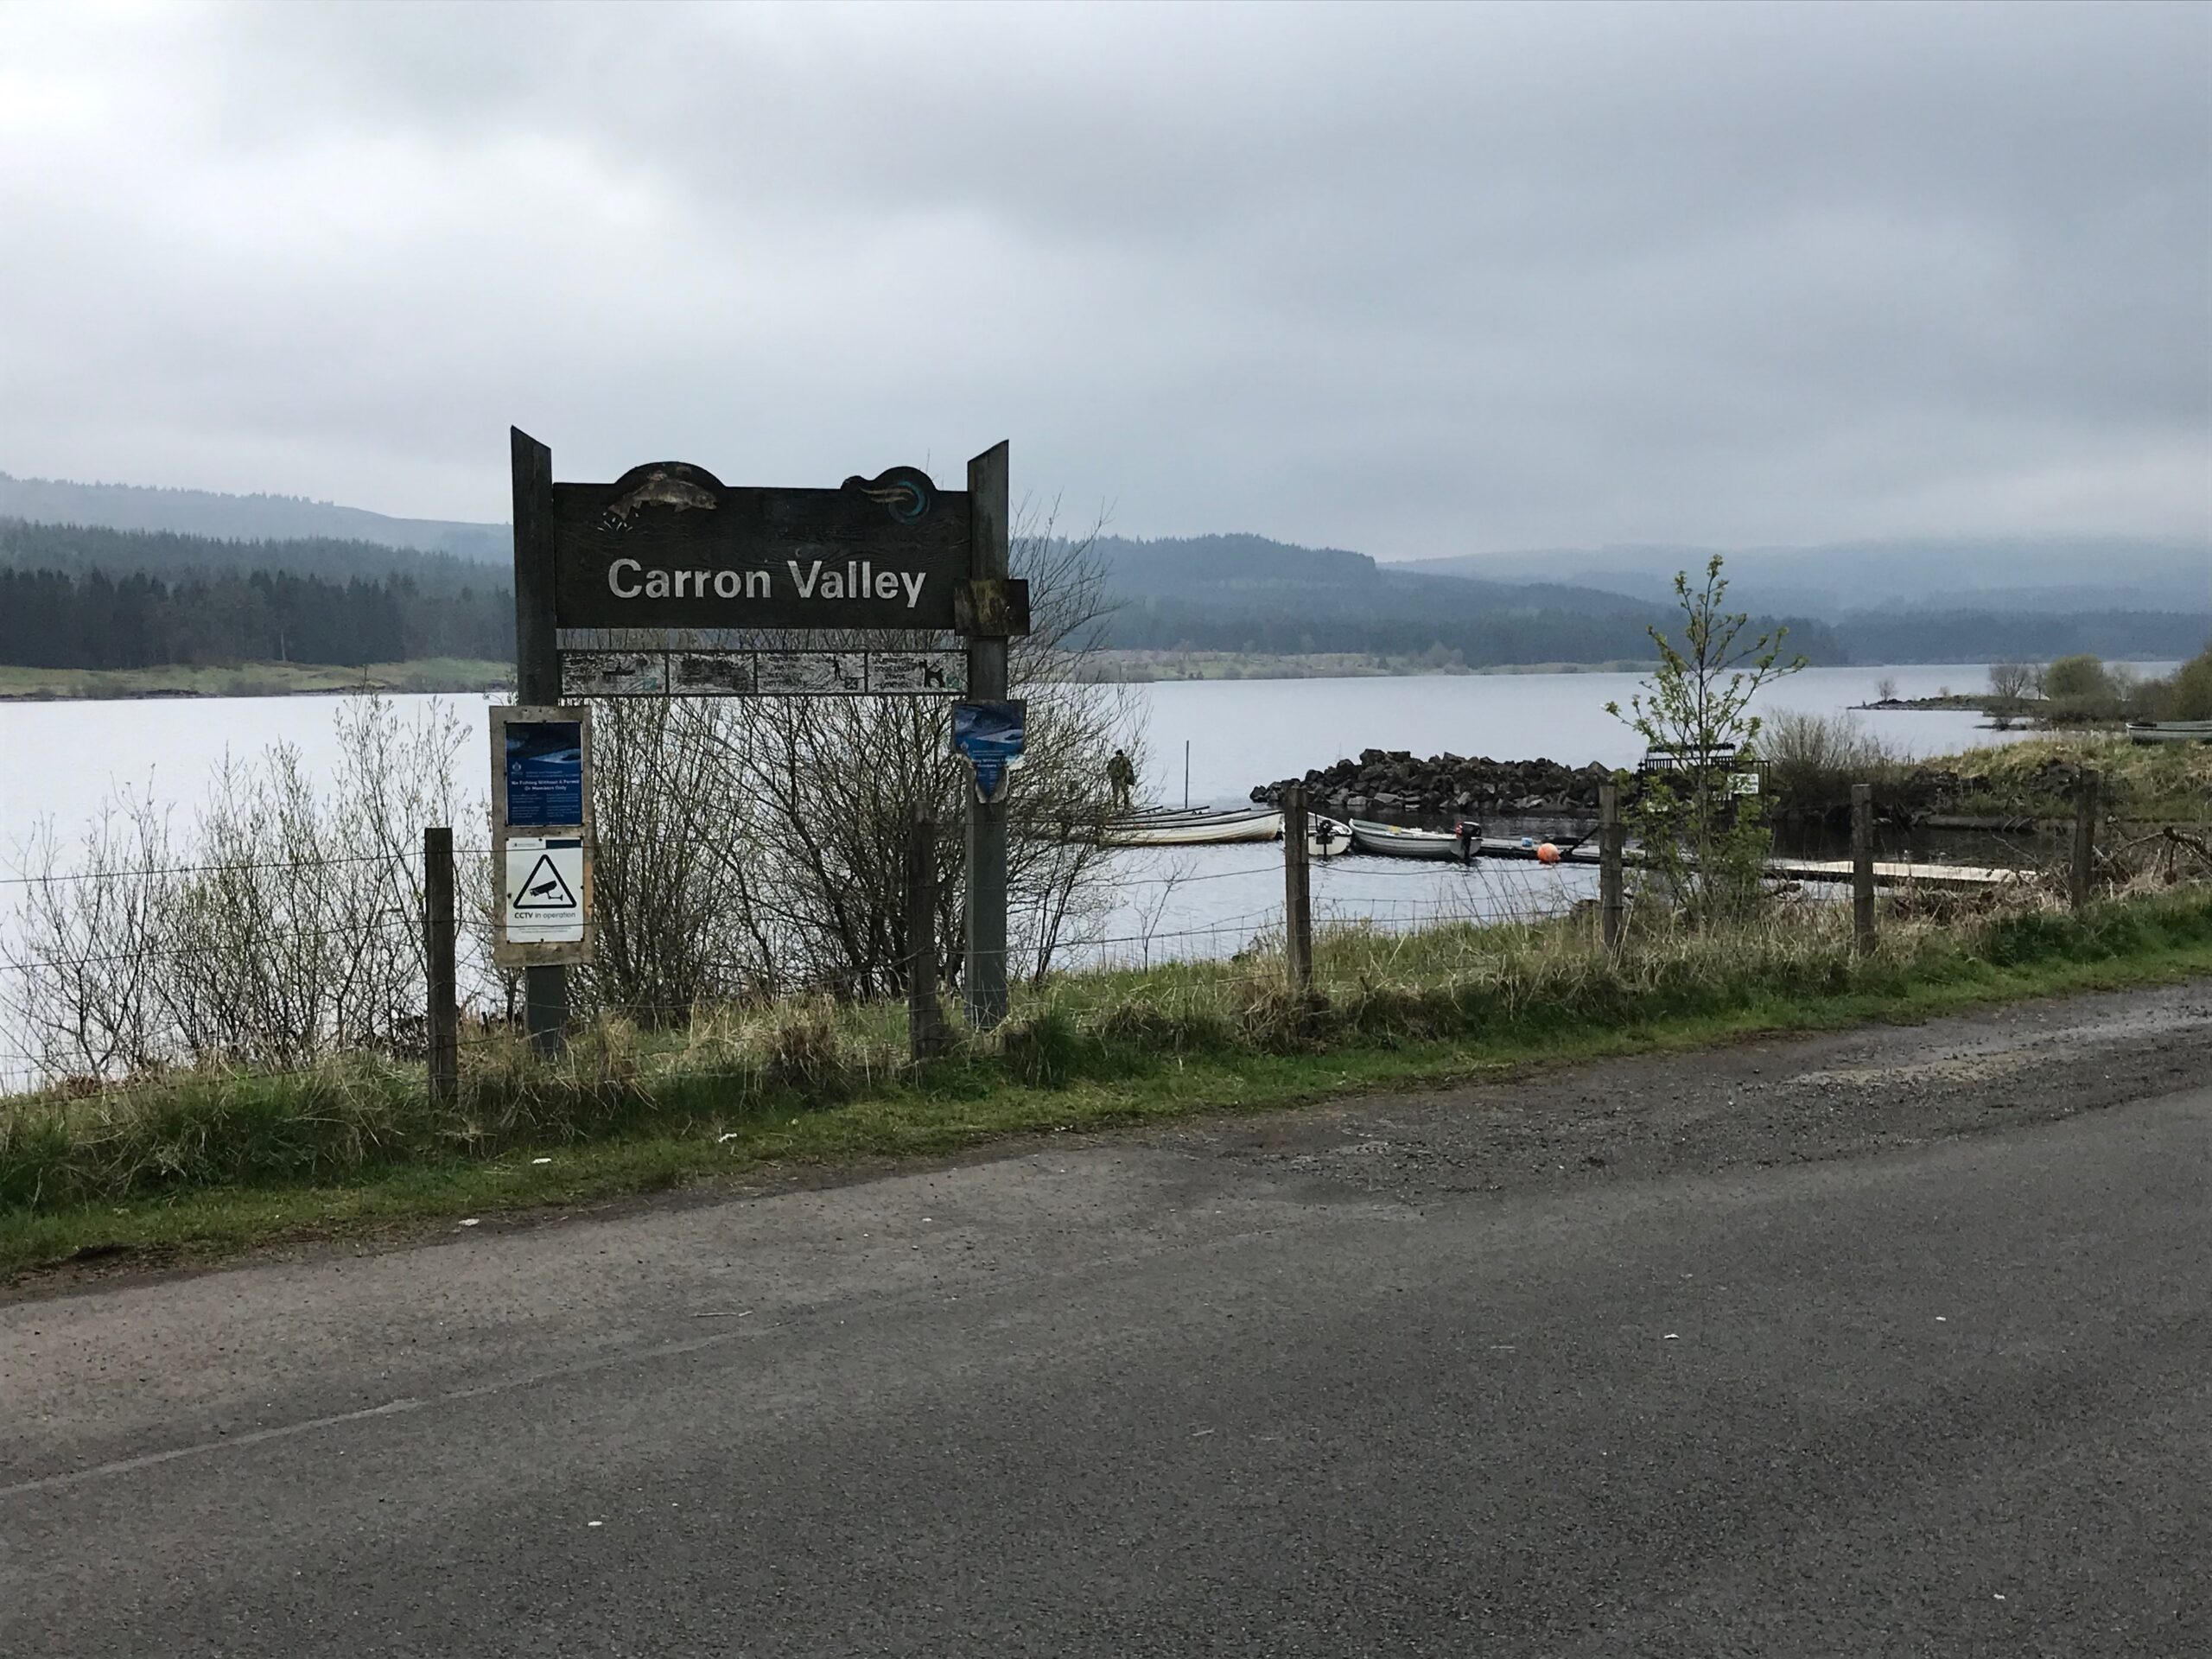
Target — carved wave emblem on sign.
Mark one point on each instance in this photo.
(904, 492)
(670, 486)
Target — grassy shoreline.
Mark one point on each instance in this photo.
(1133, 667)
(19, 684)
(249, 680)
(198, 1166)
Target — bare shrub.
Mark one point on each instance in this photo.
(84, 953)
(792, 816)
(282, 927)
(674, 929)
(1809, 761)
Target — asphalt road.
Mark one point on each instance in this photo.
(1892, 1344)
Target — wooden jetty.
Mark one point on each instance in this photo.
(1888, 873)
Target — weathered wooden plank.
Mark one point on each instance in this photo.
(1862, 868)
(1297, 893)
(537, 680)
(985, 561)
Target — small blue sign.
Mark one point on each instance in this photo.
(991, 735)
(546, 773)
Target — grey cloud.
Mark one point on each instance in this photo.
(1415, 280)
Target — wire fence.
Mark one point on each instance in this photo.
(117, 968)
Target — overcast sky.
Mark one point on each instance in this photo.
(1417, 282)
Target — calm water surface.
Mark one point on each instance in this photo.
(59, 760)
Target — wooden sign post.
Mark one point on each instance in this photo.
(537, 680)
(670, 552)
(987, 624)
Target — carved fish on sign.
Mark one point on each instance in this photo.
(662, 486)
(905, 493)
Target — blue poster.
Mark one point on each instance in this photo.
(992, 736)
(546, 773)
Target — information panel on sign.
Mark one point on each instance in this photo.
(944, 672)
(544, 886)
(803, 672)
(545, 772)
(613, 673)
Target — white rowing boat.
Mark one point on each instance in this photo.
(1196, 826)
(1393, 840)
(1326, 837)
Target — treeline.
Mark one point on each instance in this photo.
(81, 548)
(1516, 637)
(58, 619)
(2021, 636)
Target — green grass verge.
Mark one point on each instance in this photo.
(251, 679)
(206, 1163)
(2033, 777)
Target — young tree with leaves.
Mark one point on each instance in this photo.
(1704, 846)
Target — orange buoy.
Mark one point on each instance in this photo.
(1546, 854)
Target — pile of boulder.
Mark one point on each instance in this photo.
(1392, 784)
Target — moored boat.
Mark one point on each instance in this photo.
(1326, 837)
(1393, 840)
(2169, 731)
(1194, 826)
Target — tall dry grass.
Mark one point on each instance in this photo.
(1519, 984)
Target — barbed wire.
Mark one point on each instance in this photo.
(376, 927)
(59, 876)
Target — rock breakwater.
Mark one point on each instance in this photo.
(1395, 784)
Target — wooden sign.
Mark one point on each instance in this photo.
(670, 551)
(670, 546)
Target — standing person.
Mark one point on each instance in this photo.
(1122, 776)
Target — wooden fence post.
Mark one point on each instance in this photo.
(1610, 908)
(443, 1012)
(925, 1019)
(1297, 893)
(1862, 868)
(2085, 837)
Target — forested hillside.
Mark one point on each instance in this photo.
(78, 596)
(1246, 593)
(82, 547)
(2054, 575)
(51, 618)
(2021, 636)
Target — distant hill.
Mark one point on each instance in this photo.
(82, 549)
(1858, 601)
(1252, 569)
(1248, 593)
(243, 518)
(2051, 576)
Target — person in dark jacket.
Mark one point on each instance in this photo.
(1122, 777)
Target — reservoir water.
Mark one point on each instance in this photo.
(59, 760)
